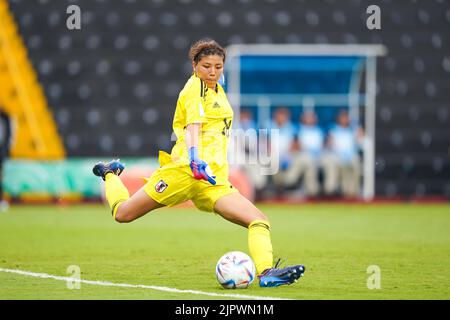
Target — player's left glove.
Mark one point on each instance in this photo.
(200, 168)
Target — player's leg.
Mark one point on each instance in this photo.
(123, 208)
(236, 208)
(135, 207)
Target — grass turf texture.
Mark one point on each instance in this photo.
(179, 248)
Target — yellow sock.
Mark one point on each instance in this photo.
(260, 245)
(115, 191)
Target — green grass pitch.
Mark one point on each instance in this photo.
(178, 248)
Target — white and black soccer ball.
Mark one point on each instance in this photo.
(235, 270)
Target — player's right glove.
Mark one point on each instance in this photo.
(200, 168)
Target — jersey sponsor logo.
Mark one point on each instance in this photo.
(161, 186)
(216, 105)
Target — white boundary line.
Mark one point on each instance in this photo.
(140, 286)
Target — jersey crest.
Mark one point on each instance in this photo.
(161, 186)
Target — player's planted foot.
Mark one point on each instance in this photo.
(275, 277)
(102, 168)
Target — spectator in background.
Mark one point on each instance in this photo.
(342, 163)
(251, 164)
(283, 146)
(308, 157)
(5, 143)
(246, 120)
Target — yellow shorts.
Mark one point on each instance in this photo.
(170, 185)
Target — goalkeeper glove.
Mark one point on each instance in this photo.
(200, 168)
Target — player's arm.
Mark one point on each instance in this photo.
(192, 133)
(195, 116)
(199, 168)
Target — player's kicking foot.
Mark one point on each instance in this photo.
(275, 277)
(102, 168)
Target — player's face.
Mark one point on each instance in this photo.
(209, 69)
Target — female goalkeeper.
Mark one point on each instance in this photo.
(197, 167)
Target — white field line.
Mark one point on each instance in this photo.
(141, 286)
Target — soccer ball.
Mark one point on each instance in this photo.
(235, 270)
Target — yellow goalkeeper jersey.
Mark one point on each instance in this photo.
(199, 104)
